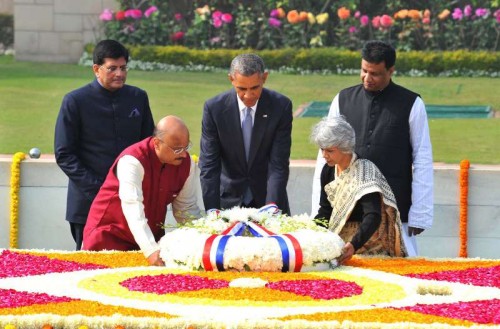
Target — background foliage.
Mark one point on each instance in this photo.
(272, 24)
(6, 30)
(32, 94)
(322, 60)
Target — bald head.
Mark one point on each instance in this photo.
(171, 133)
(171, 126)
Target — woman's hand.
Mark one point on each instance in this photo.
(155, 260)
(347, 253)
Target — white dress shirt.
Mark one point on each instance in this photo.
(242, 108)
(130, 174)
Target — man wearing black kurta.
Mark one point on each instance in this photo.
(95, 124)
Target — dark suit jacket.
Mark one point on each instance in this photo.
(93, 127)
(224, 171)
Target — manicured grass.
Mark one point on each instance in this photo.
(31, 94)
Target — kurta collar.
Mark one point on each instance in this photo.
(373, 94)
(95, 84)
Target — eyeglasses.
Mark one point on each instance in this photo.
(112, 69)
(178, 150)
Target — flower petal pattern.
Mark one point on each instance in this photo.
(171, 283)
(319, 289)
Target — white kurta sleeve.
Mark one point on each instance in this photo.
(185, 205)
(422, 208)
(320, 162)
(130, 174)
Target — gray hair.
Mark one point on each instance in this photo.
(247, 65)
(334, 132)
(159, 133)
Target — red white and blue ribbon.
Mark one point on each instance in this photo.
(291, 252)
(213, 251)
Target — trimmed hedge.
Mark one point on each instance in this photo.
(318, 59)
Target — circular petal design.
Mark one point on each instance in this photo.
(486, 276)
(171, 283)
(207, 288)
(319, 289)
(14, 264)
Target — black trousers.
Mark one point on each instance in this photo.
(251, 204)
(77, 233)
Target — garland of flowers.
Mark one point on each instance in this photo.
(15, 173)
(464, 192)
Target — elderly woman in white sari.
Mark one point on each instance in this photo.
(356, 201)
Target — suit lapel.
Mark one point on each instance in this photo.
(232, 119)
(259, 126)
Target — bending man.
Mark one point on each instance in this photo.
(129, 210)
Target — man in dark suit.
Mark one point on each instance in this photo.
(95, 124)
(246, 141)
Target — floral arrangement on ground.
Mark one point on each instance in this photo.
(249, 239)
(55, 289)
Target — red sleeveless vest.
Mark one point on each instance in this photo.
(106, 226)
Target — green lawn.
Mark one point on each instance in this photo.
(31, 94)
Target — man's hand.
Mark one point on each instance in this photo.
(414, 230)
(155, 260)
(347, 253)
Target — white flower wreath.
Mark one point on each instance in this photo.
(186, 247)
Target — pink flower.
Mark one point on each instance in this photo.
(215, 40)
(134, 13)
(178, 16)
(468, 10)
(497, 15)
(227, 18)
(274, 13)
(148, 12)
(386, 21)
(216, 14)
(353, 29)
(357, 14)
(129, 28)
(106, 15)
(376, 22)
(364, 20)
(426, 20)
(457, 14)
(274, 22)
(480, 12)
(217, 22)
(177, 36)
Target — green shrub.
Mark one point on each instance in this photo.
(318, 59)
(7, 30)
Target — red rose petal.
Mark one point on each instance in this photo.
(171, 283)
(318, 289)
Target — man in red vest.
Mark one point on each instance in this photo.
(129, 210)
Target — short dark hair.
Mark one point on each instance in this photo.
(247, 65)
(109, 49)
(376, 51)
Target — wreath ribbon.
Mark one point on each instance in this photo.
(213, 251)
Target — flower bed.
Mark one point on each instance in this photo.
(52, 289)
